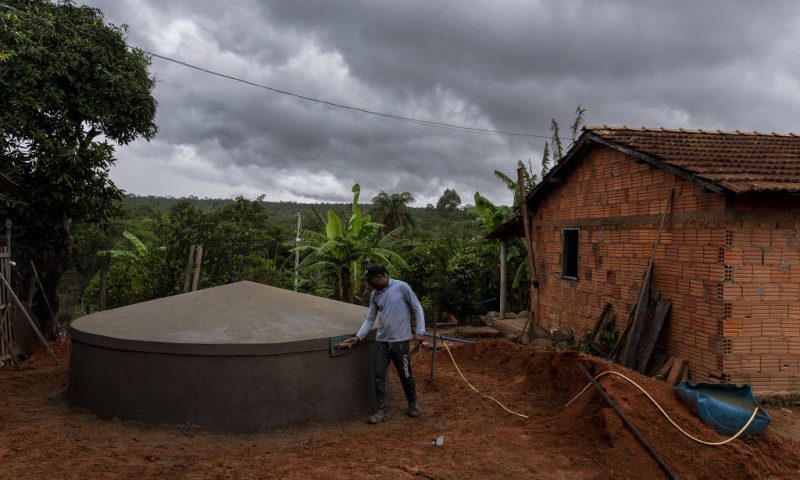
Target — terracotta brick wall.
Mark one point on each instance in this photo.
(761, 316)
(617, 203)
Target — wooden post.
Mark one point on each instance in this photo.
(198, 261)
(5, 301)
(625, 421)
(189, 264)
(629, 352)
(105, 265)
(435, 347)
(6, 342)
(30, 320)
(523, 210)
(503, 277)
(44, 295)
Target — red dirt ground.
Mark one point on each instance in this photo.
(42, 436)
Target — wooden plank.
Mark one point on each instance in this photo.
(642, 306)
(644, 301)
(597, 325)
(676, 372)
(198, 262)
(29, 319)
(526, 223)
(662, 309)
(6, 350)
(627, 422)
(189, 265)
(44, 295)
(664, 370)
(105, 265)
(503, 276)
(615, 353)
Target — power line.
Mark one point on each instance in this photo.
(349, 107)
(416, 121)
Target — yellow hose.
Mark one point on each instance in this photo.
(723, 442)
(476, 390)
(609, 372)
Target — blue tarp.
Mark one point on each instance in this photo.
(725, 406)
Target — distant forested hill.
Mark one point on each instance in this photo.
(283, 214)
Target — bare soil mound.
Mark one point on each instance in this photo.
(42, 436)
(548, 380)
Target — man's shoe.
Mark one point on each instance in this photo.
(378, 417)
(413, 410)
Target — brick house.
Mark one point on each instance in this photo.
(729, 255)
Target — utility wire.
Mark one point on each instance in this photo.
(417, 121)
(350, 107)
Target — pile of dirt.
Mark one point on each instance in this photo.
(42, 436)
(551, 379)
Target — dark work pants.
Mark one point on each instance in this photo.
(397, 353)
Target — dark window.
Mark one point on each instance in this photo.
(569, 256)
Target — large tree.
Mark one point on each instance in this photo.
(449, 201)
(72, 90)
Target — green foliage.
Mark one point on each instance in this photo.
(134, 276)
(426, 272)
(393, 210)
(346, 248)
(489, 215)
(546, 159)
(606, 337)
(555, 141)
(239, 243)
(71, 91)
(70, 87)
(564, 339)
(528, 177)
(577, 123)
(253, 240)
(140, 250)
(449, 201)
(236, 240)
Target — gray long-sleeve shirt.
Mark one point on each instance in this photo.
(394, 303)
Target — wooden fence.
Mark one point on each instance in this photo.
(6, 335)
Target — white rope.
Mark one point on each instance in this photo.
(476, 390)
(723, 442)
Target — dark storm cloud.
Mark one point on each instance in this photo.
(508, 65)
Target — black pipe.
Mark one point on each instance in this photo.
(435, 348)
(449, 339)
(628, 424)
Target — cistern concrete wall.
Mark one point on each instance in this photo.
(240, 358)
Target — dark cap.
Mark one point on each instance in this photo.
(373, 271)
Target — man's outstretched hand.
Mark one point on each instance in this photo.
(418, 337)
(348, 343)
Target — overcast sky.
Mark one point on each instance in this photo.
(501, 65)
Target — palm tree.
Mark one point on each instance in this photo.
(392, 210)
(346, 246)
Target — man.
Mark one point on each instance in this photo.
(394, 300)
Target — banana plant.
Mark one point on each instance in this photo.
(346, 246)
(139, 252)
(490, 216)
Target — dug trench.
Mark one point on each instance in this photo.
(42, 436)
